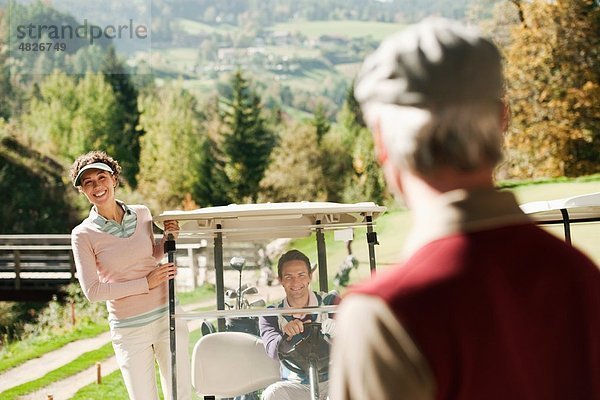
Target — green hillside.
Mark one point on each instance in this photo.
(346, 29)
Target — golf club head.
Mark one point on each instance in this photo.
(249, 290)
(207, 328)
(230, 293)
(237, 263)
(258, 303)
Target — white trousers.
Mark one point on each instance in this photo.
(136, 350)
(288, 390)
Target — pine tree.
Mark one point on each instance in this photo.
(212, 186)
(247, 140)
(97, 121)
(321, 122)
(6, 89)
(128, 150)
(357, 168)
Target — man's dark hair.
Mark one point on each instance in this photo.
(292, 255)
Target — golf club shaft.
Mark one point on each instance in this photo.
(170, 250)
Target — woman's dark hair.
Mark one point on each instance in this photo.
(292, 255)
(94, 157)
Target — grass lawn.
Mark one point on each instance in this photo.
(112, 387)
(195, 27)
(181, 59)
(16, 353)
(81, 363)
(202, 293)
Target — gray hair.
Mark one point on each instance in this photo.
(465, 136)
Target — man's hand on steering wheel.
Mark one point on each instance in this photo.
(294, 327)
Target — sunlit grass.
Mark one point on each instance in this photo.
(112, 388)
(16, 353)
(81, 363)
(201, 293)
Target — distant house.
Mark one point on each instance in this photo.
(333, 39)
(282, 38)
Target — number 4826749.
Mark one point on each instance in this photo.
(49, 46)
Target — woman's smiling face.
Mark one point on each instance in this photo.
(98, 186)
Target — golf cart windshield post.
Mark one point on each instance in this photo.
(371, 241)
(566, 224)
(322, 258)
(576, 209)
(218, 252)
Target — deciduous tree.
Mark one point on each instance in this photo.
(170, 155)
(70, 118)
(295, 173)
(553, 75)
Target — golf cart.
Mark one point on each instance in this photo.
(219, 356)
(576, 209)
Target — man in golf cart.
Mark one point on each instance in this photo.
(295, 274)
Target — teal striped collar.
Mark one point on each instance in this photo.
(122, 230)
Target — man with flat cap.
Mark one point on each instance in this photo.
(484, 305)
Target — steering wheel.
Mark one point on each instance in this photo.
(306, 348)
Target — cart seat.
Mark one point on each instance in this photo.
(231, 364)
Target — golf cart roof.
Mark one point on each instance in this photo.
(271, 220)
(582, 208)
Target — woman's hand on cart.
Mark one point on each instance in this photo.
(162, 273)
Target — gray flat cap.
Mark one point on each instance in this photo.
(433, 63)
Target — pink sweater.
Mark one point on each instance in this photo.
(114, 269)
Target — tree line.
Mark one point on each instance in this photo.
(182, 151)
(176, 151)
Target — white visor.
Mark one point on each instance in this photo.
(96, 165)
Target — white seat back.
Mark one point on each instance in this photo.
(231, 364)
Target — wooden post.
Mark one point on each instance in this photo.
(17, 256)
(98, 373)
(72, 265)
(73, 319)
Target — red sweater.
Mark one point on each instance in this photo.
(506, 313)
